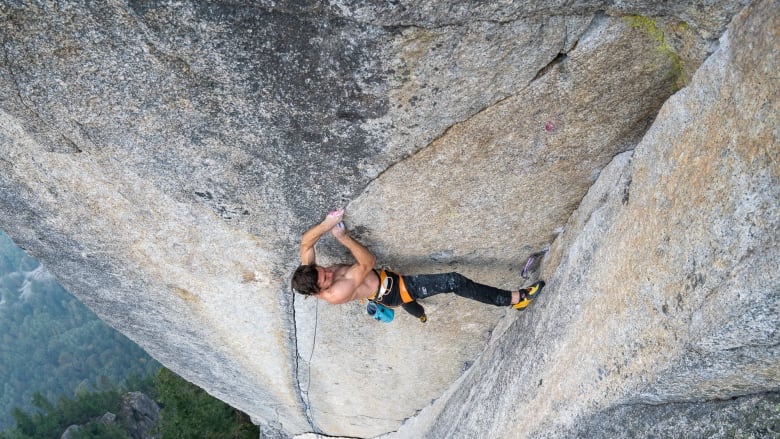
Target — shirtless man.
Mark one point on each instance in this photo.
(343, 283)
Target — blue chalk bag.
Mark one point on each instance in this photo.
(380, 312)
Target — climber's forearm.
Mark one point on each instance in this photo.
(310, 237)
(309, 240)
(362, 255)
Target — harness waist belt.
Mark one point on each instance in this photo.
(388, 286)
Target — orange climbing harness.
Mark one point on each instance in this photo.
(390, 283)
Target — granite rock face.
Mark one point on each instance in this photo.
(162, 159)
(663, 295)
(752, 416)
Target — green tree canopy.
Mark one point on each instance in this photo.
(51, 342)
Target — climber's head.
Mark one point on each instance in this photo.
(310, 279)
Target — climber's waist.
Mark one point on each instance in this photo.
(392, 290)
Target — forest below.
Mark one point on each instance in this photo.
(170, 408)
(51, 343)
(60, 365)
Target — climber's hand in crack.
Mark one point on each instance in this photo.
(338, 230)
(333, 218)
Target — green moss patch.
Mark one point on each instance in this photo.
(650, 27)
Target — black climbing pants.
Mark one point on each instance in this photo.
(426, 285)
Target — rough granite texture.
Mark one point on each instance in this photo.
(162, 159)
(663, 291)
(752, 416)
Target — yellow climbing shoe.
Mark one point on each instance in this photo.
(528, 294)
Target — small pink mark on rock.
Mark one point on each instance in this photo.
(549, 126)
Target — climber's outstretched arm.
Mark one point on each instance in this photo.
(364, 259)
(311, 236)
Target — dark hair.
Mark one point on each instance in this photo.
(304, 280)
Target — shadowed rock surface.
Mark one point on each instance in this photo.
(163, 158)
(661, 291)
